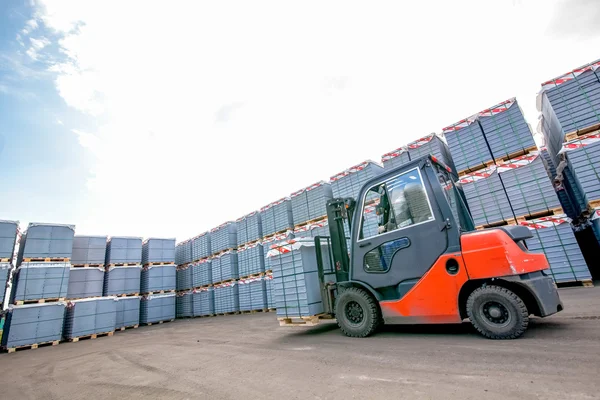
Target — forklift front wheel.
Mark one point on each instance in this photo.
(357, 313)
(497, 313)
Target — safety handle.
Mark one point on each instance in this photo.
(364, 244)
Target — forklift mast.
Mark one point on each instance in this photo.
(340, 211)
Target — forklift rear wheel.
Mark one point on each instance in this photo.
(357, 313)
(497, 313)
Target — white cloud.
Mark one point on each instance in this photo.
(305, 90)
(59, 121)
(36, 46)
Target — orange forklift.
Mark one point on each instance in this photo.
(413, 257)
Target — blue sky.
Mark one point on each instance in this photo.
(129, 118)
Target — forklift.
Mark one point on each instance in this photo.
(414, 257)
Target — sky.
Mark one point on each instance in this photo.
(166, 119)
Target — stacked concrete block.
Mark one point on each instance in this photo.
(184, 304)
(41, 241)
(348, 182)
(37, 280)
(555, 238)
(8, 237)
(85, 282)
(185, 277)
(227, 298)
(395, 158)
(467, 145)
(204, 301)
(201, 246)
(124, 250)
(268, 278)
(202, 273)
(223, 237)
(249, 228)
(251, 259)
(273, 242)
(313, 229)
(31, 324)
(277, 217)
(583, 160)
(122, 280)
(183, 252)
(155, 250)
(225, 267)
(89, 250)
(157, 307)
(128, 312)
(252, 294)
(310, 203)
(158, 278)
(5, 271)
(87, 317)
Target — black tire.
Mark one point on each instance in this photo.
(357, 313)
(497, 313)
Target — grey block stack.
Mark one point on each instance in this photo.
(155, 250)
(201, 246)
(277, 217)
(555, 238)
(184, 304)
(128, 312)
(467, 145)
(5, 269)
(85, 282)
(273, 242)
(318, 228)
(46, 241)
(296, 284)
(225, 267)
(185, 277)
(395, 158)
(348, 183)
(124, 250)
(223, 237)
(227, 298)
(8, 238)
(157, 307)
(124, 280)
(202, 273)
(249, 228)
(252, 294)
(309, 203)
(156, 278)
(204, 301)
(269, 290)
(527, 186)
(251, 259)
(486, 197)
(36, 281)
(431, 144)
(583, 158)
(33, 324)
(183, 252)
(86, 317)
(89, 250)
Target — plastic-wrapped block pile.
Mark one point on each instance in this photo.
(249, 228)
(89, 250)
(527, 186)
(296, 284)
(46, 241)
(395, 158)
(273, 242)
(349, 182)
(86, 317)
(566, 200)
(252, 292)
(201, 246)
(124, 250)
(269, 290)
(223, 237)
(5, 269)
(277, 217)
(204, 301)
(202, 273)
(85, 282)
(122, 280)
(310, 203)
(157, 307)
(467, 145)
(8, 238)
(555, 238)
(251, 259)
(225, 267)
(227, 298)
(128, 312)
(183, 252)
(33, 324)
(156, 278)
(185, 277)
(184, 304)
(317, 228)
(158, 251)
(569, 103)
(35, 281)
(431, 144)
(583, 157)
(486, 197)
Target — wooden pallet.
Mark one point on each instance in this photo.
(593, 204)
(158, 264)
(229, 313)
(202, 287)
(584, 283)
(123, 264)
(256, 275)
(303, 321)
(5, 260)
(515, 154)
(87, 265)
(271, 236)
(160, 292)
(159, 322)
(496, 224)
(124, 295)
(475, 169)
(575, 134)
(270, 310)
(39, 301)
(227, 281)
(253, 311)
(92, 336)
(251, 242)
(540, 214)
(81, 298)
(312, 221)
(269, 271)
(127, 327)
(46, 259)
(32, 346)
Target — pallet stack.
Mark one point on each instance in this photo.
(90, 318)
(431, 144)
(86, 277)
(225, 272)
(9, 230)
(158, 281)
